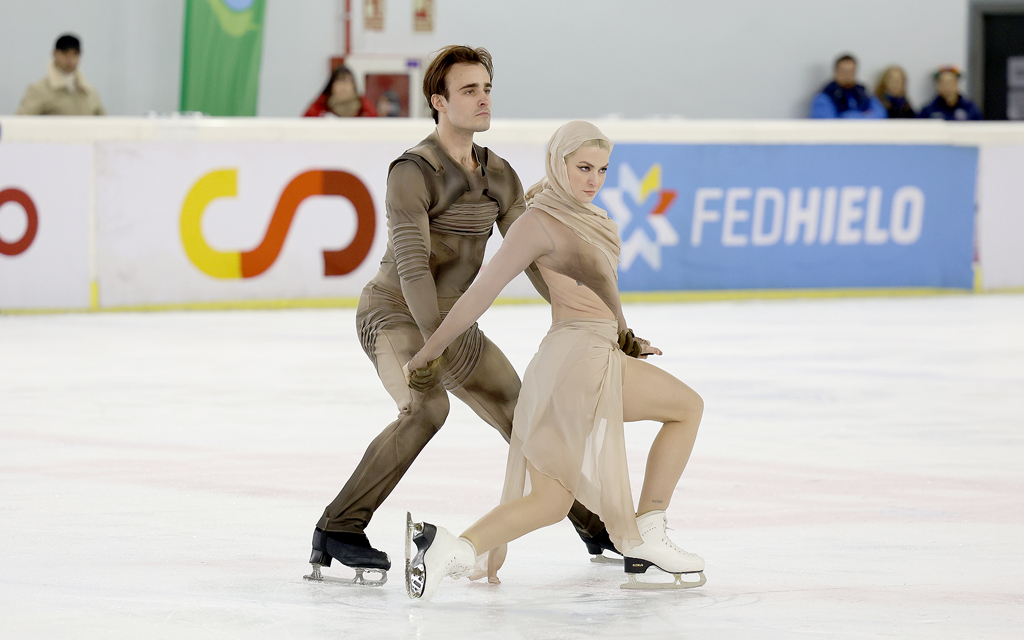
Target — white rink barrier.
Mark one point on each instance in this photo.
(1001, 215)
(131, 213)
(46, 225)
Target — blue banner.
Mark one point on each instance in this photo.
(792, 216)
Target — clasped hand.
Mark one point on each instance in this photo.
(424, 377)
(635, 347)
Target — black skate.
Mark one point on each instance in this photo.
(597, 545)
(352, 550)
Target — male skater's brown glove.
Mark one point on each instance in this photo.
(630, 344)
(427, 376)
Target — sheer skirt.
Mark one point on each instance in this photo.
(568, 424)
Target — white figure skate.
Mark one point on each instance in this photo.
(658, 550)
(438, 554)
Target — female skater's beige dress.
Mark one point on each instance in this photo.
(568, 421)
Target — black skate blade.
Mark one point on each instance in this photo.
(359, 580)
(603, 559)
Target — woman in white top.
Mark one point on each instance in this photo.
(577, 391)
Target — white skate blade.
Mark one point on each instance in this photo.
(358, 580)
(603, 559)
(678, 583)
(411, 529)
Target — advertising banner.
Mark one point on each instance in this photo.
(792, 216)
(1001, 223)
(182, 223)
(44, 226)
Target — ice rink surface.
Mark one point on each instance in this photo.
(859, 473)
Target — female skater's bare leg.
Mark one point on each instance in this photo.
(439, 553)
(648, 393)
(547, 503)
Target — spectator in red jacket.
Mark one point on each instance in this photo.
(340, 98)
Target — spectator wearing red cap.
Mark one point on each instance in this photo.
(949, 104)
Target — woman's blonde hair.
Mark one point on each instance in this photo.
(880, 87)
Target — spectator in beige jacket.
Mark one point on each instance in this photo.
(64, 91)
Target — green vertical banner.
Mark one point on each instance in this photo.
(220, 73)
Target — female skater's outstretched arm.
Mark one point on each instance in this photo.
(525, 242)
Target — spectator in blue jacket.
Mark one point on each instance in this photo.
(949, 104)
(843, 97)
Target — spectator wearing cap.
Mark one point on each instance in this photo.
(340, 98)
(64, 91)
(891, 91)
(949, 104)
(843, 97)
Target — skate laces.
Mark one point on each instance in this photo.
(672, 545)
(669, 542)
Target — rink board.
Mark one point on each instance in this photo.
(175, 214)
(792, 216)
(175, 217)
(45, 193)
(1001, 229)
(170, 213)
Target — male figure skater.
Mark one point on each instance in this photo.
(444, 197)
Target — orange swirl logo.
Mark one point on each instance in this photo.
(22, 245)
(223, 183)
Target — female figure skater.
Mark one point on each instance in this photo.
(577, 391)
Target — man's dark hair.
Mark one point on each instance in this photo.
(844, 58)
(434, 79)
(68, 42)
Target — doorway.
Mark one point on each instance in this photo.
(997, 59)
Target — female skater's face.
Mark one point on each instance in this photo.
(587, 168)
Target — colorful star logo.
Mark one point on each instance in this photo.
(637, 242)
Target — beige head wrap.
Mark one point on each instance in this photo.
(554, 196)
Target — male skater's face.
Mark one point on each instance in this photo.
(468, 105)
